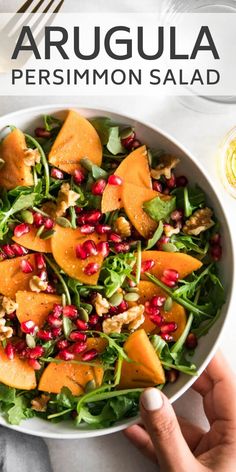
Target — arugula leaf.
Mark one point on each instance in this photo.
(152, 241)
(172, 360)
(96, 171)
(187, 244)
(102, 125)
(114, 142)
(189, 198)
(22, 202)
(159, 209)
(7, 394)
(51, 122)
(115, 270)
(35, 144)
(68, 326)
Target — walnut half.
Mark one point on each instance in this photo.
(133, 317)
(40, 403)
(199, 221)
(165, 166)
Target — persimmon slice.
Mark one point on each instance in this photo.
(14, 172)
(35, 306)
(16, 373)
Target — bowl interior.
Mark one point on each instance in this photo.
(28, 120)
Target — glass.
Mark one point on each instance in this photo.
(227, 162)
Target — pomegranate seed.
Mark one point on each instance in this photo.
(7, 249)
(57, 174)
(163, 240)
(42, 133)
(70, 311)
(166, 191)
(215, 239)
(50, 289)
(36, 352)
(56, 332)
(147, 265)
(191, 341)
(90, 248)
(62, 344)
(123, 306)
(82, 325)
(20, 346)
(167, 337)
(157, 186)
(89, 355)
(91, 268)
(57, 310)
(157, 301)
(80, 252)
(136, 144)
(177, 215)
(28, 327)
(131, 283)
(98, 187)
(102, 229)
(26, 267)
(87, 229)
(54, 321)
(114, 238)
(19, 250)
(9, 351)
(40, 261)
(93, 319)
(169, 327)
(38, 220)
(66, 355)
(115, 180)
(172, 375)
(79, 176)
(78, 336)
(151, 310)
(113, 310)
(78, 209)
(34, 364)
(44, 335)
(2, 256)
(171, 183)
(79, 347)
(121, 247)
(128, 142)
(43, 275)
(103, 248)
(48, 223)
(91, 217)
(156, 319)
(181, 181)
(216, 252)
(21, 229)
(170, 277)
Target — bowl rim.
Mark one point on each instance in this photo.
(82, 434)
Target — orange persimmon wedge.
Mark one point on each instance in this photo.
(12, 278)
(33, 242)
(35, 306)
(146, 370)
(16, 373)
(182, 263)
(73, 376)
(76, 139)
(63, 243)
(133, 169)
(147, 291)
(14, 171)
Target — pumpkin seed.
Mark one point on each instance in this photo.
(63, 299)
(30, 341)
(86, 163)
(131, 297)
(47, 234)
(168, 304)
(132, 289)
(116, 299)
(63, 222)
(27, 216)
(83, 314)
(126, 132)
(40, 230)
(2, 163)
(90, 385)
(169, 247)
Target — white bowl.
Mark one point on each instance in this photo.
(29, 119)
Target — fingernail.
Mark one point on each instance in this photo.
(152, 399)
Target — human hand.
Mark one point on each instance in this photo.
(179, 446)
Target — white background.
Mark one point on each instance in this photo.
(201, 133)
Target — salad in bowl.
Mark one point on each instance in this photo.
(108, 271)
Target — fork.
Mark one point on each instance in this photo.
(9, 33)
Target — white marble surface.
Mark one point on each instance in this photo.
(201, 133)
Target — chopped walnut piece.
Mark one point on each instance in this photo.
(40, 403)
(7, 306)
(122, 226)
(66, 198)
(167, 162)
(169, 230)
(101, 305)
(5, 331)
(133, 317)
(31, 157)
(199, 221)
(37, 285)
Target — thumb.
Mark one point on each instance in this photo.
(159, 418)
